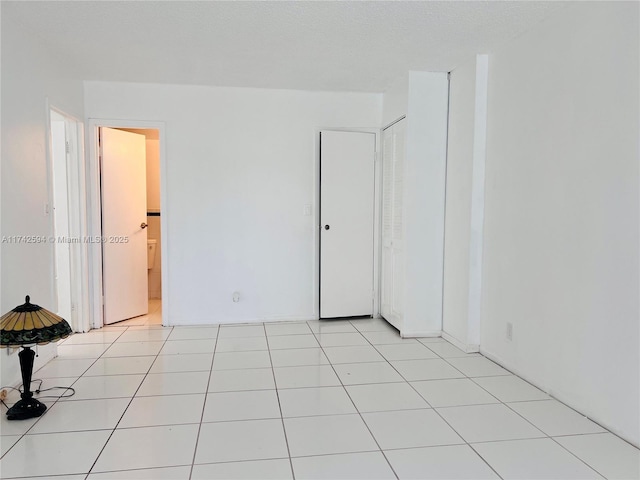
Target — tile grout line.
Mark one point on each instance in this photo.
(354, 404)
(552, 398)
(583, 461)
(436, 411)
(159, 354)
(204, 405)
(137, 469)
(473, 379)
(124, 329)
(516, 412)
(275, 384)
(446, 359)
(130, 401)
(58, 399)
(552, 439)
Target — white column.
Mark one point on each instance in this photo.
(425, 175)
(477, 204)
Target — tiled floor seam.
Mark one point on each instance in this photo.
(57, 399)
(435, 410)
(284, 430)
(130, 400)
(528, 421)
(500, 402)
(473, 379)
(333, 365)
(354, 404)
(204, 404)
(552, 439)
(139, 469)
(583, 461)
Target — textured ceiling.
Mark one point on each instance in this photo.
(348, 46)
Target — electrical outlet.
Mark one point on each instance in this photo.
(509, 331)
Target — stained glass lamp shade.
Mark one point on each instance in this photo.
(25, 326)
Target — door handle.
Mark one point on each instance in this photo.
(143, 225)
(327, 227)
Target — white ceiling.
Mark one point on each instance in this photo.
(347, 46)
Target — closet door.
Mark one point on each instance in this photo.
(386, 271)
(392, 275)
(346, 216)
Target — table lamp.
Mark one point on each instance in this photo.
(25, 326)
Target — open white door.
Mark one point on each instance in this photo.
(392, 272)
(59, 161)
(124, 215)
(346, 217)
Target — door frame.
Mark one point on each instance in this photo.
(76, 202)
(95, 213)
(377, 215)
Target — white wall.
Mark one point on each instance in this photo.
(395, 100)
(30, 75)
(458, 200)
(561, 219)
(424, 184)
(466, 158)
(241, 164)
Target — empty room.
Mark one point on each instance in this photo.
(320, 240)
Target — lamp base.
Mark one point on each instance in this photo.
(24, 409)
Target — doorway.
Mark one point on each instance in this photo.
(153, 247)
(126, 200)
(347, 180)
(67, 208)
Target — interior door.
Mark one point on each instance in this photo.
(124, 215)
(60, 158)
(346, 223)
(392, 271)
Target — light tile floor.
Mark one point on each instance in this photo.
(323, 399)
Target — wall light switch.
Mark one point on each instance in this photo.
(307, 210)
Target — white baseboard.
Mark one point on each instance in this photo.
(465, 347)
(244, 321)
(421, 334)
